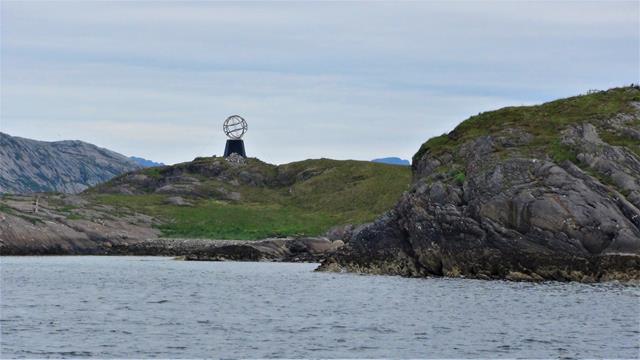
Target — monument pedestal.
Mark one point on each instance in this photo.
(234, 146)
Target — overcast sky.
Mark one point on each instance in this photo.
(344, 80)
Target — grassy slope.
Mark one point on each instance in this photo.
(545, 122)
(357, 192)
(344, 192)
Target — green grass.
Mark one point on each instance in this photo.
(560, 152)
(323, 193)
(220, 220)
(75, 216)
(460, 177)
(545, 121)
(621, 140)
(256, 221)
(6, 208)
(340, 192)
(153, 172)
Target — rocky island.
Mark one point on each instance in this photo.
(522, 193)
(211, 208)
(547, 192)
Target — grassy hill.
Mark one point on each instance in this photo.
(540, 131)
(256, 200)
(546, 122)
(546, 192)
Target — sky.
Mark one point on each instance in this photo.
(342, 80)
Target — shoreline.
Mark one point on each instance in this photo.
(308, 249)
(275, 250)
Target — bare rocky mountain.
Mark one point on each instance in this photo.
(28, 166)
(393, 161)
(524, 193)
(145, 162)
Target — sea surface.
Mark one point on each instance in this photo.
(145, 307)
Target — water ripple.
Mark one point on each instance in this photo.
(115, 307)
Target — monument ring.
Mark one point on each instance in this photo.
(235, 127)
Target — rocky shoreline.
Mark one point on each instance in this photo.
(49, 229)
(311, 249)
(547, 192)
(520, 202)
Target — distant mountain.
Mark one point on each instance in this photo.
(144, 162)
(70, 166)
(392, 161)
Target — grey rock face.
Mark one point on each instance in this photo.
(28, 166)
(64, 225)
(616, 163)
(178, 201)
(517, 215)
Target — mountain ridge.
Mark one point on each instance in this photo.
(69, 166)
(145, 162)
(392, 161)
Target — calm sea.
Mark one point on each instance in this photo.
(156, 307)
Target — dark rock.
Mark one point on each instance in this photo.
(517, 214)
(298, 250)
(342, 232)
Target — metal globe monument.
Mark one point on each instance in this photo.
(235, 127)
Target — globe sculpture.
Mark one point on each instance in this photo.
(235, 127)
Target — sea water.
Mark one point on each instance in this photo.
(140, 307)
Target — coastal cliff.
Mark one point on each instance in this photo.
(524, 193)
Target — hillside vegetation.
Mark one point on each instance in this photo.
(546, 122)
(543, 131)
(213, 198)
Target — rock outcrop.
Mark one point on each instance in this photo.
(67, 225)
(29, 166)
(314, 249)
(214, 176)
(71, 225)
(532, 193)
(209, 197)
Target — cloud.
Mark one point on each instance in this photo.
(337, 79)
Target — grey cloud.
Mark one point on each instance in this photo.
(345, 80)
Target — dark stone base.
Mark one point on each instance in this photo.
(234, 146)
